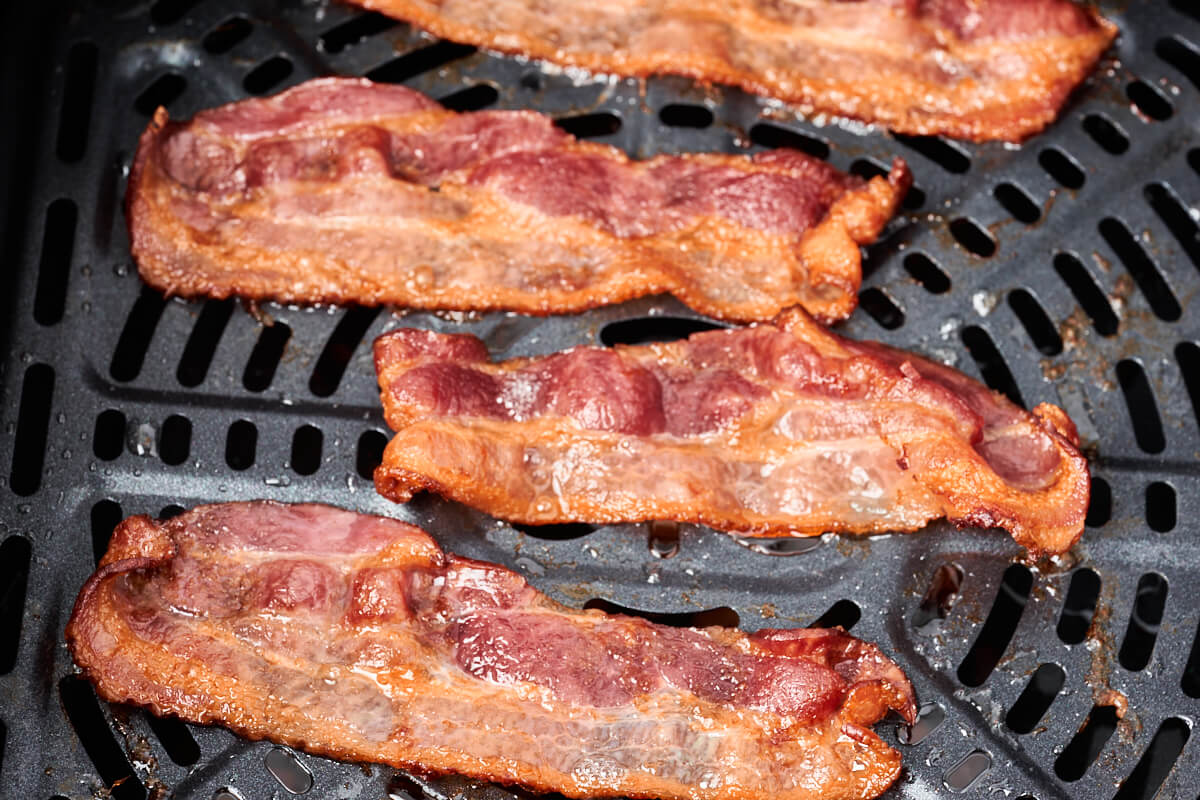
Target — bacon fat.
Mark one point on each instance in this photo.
(356, 637)
(782, 429)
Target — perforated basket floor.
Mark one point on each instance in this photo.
(1062, 271)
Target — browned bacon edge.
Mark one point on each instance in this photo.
(355, 637)
(344, 191)
(971, 69)
(771, 430)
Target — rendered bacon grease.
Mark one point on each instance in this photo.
(356, 637)
(973, 69)
(771, 430)
(340, 190)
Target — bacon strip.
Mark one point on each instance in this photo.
(341, 190)
(783, 429)
(973, 69)
(356, 637)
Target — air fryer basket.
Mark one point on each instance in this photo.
(1064, 271)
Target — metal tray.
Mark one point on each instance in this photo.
(1064, 270)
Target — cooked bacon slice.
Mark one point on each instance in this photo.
(341, 190)
(356, 637)
(783, 429)
(973, 69)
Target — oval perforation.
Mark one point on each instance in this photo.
(940, 596)
(404, 787)
(268, 75)
(108, 438)
(1017, 203)
(930, 717)
(241, 444)
(285, 766)
(1087, 293)
(1158, 760)
(968, 771)
(105, 517)
(1180, 54)
(339, 349)
(590, 126)
(354, 31)
(926, 272)
(228, 35)
(685, 115)
(720, 617)
(175, 739)
(202, 342)
(1143, 409)
(165, 90)
(265, 357)
(369, 453)
(647, 330)
(85, 716)
(1106, 133)
(1100, 504)
(998, 629)
(424, 59)
(1142, 269)
(1190, 680)
(1144, 620)
(1177, 217)
(175, 440)
(1148, 100)
(974, 239)
(843, 614)
(1035, 700)
(130, 352)
(882, 308)
(1079, 606)
(15, 555)
(662, 538)
(1037, 324)
(942, 152)
(1062, 167)
(992, 366)
(1187, 356)
(306, 449)
(765, 134)
(54, 267)
(1085, 746)
(170, 512)
(472, 98)
(75, 117)
(167, 12)
(1186, 7)
(555, 532)
(33, 426)
(1160, 507)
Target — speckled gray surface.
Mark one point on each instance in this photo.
(97, 466)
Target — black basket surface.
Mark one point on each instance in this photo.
(1063, 270)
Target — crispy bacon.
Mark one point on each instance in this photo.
(973, 69)
(356, 637)
(341, 190)
(783, 429)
